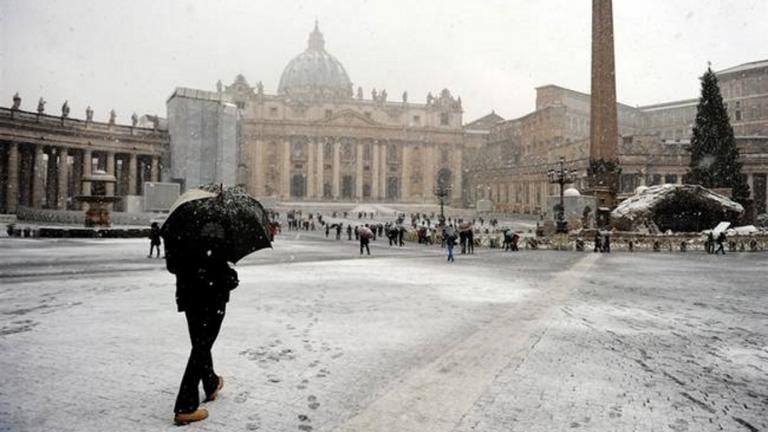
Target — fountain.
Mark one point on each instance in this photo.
(98, 203)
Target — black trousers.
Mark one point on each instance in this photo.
(204, 324)
(364, 245)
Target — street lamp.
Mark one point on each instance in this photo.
(562, 177)
(442, 191)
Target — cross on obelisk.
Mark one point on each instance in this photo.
(604, 129)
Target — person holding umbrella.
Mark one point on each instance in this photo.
(365, 235)
(206, 230)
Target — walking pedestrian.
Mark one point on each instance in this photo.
(365, 235)
(154, 239)
(450, 241)
(598, 242)
(709, 245)
(203, 282)
(470, 242)
(606, 245)
(720, 243)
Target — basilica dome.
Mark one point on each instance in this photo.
(315, 73)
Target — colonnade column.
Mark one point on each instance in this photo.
(87, 171)
(155, 169)
(110, 187)
(131, 174)
(37, 177)
(336, 169)
(50, 178)
(63, 166)
(375, 171)
(12, 191)
(320, 156)
(359, 171)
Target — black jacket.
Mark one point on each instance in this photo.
(202, 279)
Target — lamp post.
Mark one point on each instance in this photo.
(442, 191)
(562, 177)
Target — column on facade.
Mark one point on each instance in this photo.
(285, 171)
(154, 169)
(375, 171)
(429, 172)
(38, 175)
(336, 169)
(12, 190)
(63, 168)
(456, 169)
(359, 171)
(257, 166)
(311, 178)
(383, 171)
(405, 175)
(132, 171)
(320, 166)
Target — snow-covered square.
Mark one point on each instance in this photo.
(319, 338)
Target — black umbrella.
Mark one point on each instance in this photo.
(224, 218)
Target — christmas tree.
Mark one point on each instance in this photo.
(714, 155)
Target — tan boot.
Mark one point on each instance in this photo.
(186, 418)
(212, 396)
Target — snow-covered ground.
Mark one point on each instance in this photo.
(318, 338)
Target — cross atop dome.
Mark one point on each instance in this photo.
(316, 39)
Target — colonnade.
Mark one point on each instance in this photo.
(50, 176)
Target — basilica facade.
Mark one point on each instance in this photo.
(318, 138)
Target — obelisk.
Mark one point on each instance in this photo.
(604, 129)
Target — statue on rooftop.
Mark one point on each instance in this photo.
(112, 116)
(405, 97)
(16, 101)
(65, 109)
(41, 106)
(89, 114)
(134, 119)
(359, 93)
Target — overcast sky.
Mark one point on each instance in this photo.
(130, 55)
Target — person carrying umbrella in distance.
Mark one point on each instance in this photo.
(206, 230)
(366, 235)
